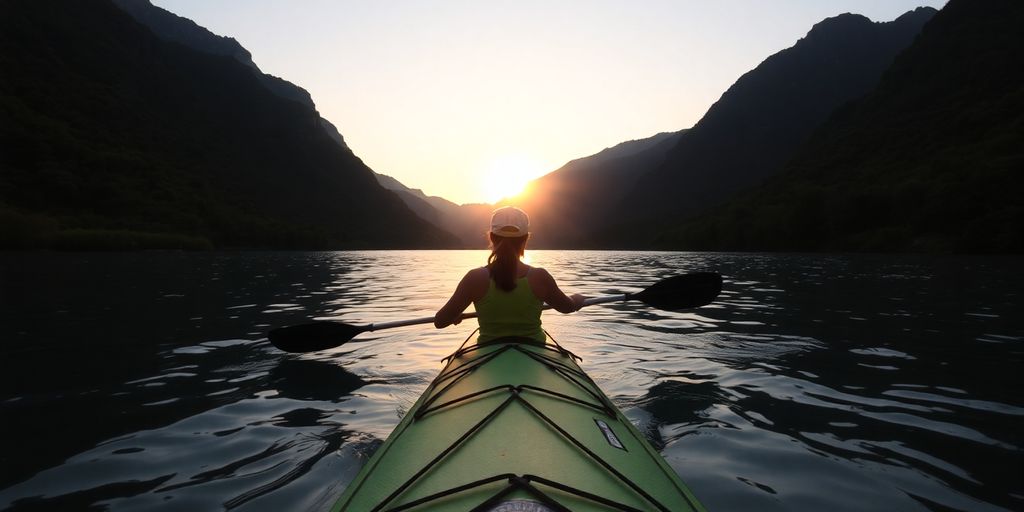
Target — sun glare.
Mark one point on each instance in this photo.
(506, 177)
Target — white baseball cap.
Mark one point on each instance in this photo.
(510, 222)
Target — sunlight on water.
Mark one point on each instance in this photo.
(145, 381)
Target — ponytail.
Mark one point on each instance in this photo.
(504, 259)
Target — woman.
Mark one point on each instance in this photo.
(508, 294)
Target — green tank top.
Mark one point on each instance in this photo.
(514, 313)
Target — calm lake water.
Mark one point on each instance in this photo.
(145, 381)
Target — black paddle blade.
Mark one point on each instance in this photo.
(682, 292)
(313, 337)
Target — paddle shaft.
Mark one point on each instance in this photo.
(429, 319)
(675, 293)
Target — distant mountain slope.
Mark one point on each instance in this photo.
(761, 120)
(114, 138)
(625, 149)
(564, 205)
(931, 160)
(569, 204)
(468, 221)
(415, 199)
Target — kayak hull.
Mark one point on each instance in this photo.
(515, 425)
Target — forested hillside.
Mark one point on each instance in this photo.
(930, 161)
(114, 138)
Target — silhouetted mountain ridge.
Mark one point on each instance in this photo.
(760, 120)
(561, 203)
(171, 27)
(114, 137)
(625, 149)
(468, 222)
(930, 161)
(570, 204)
(176, 29)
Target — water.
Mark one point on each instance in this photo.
(145, 381)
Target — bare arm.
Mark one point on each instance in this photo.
(547, 290)
(472, 287)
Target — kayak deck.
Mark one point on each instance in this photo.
(514, 425)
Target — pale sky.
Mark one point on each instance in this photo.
(449, 96)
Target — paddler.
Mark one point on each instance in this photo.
(507, 293)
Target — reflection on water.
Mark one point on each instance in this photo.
(145, 381)
(304, 379)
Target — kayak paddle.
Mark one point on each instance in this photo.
(672, 294)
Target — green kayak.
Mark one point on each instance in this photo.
(515, 425)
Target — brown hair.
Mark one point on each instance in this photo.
(504, 259)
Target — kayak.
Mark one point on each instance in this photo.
(515, 425)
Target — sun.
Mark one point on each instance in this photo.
(507, 176)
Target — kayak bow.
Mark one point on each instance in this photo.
(515, 425)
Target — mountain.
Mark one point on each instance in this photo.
(468, 222)
(415, 199)
(569, 204)
(176, 29)
(560, 203)
(114, 137)
(763, 118)
(930, 161)
(171, 27)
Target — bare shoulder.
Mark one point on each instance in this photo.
(477, 276)
(476, 282)
(540, 278)
(540, 272)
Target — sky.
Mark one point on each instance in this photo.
(469, 99)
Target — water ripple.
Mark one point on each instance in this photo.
(814, 382)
